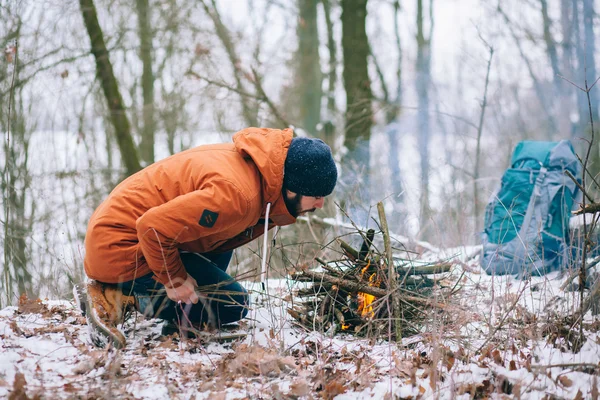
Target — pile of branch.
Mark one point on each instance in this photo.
(366, 295)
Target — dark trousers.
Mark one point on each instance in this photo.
(222, 299)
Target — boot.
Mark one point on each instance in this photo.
(105, 307)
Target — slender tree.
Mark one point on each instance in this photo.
(329, 127)
(308, 73)
(359, 113)
(589, 73)
(392, 100)
(422, 82)
(146, 50)
(18, 206)
(110, 87)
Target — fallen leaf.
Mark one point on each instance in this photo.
(9, 53)
(512, 365)
(565, 381)
(333, 388)
(201, 50)
(19, 392)
(68, 387)
(16, 329)
(28, 306)
(299, 388)
(497, 357)
(449, 361)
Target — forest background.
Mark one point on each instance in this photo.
(422, 102)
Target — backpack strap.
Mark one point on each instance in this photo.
(539, 181)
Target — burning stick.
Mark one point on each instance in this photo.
(350, 295)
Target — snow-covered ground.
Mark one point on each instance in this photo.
(499, 338)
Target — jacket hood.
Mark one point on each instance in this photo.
(268, 149)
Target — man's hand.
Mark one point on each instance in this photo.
(185, 293)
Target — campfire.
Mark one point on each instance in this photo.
(361, 294)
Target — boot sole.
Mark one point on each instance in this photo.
(100, 334)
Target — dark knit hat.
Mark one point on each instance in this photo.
(309, 168)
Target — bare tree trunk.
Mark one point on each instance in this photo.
(309, 77)
(393, 108)
(565, 96)
(590, 75)
(359, 114)
(15, 183)
(393, 131)
(110, 87)
(423, 80)
(476, 172)
(550, 45)
(145, 34)
(329, 125)
(249, 111)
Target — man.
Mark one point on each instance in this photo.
(162, 240)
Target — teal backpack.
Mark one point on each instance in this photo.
(527, 220)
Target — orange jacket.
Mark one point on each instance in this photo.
(207, 199)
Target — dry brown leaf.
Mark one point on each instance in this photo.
(579, 395)
(84, 366)
(485, 353)
(201, 50)
(464, 388)
(516, 390)
(68, 387)
(16, 329)
(497, 357)
(565, 381)
(333, 388)
(28, 306)
(512, 366)
(9, 53)
(257, 361)
(449, 361)
(404, 368)
(19, 392)
(167, 344)
(299, 387)
(218, 396)
(433, 380)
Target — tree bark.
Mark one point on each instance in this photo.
(550, 44)
(359, 113)
(393, 129)
(422, 81)
(589, 73)
(332, 48)
(477, 206)
(329, 128)
(15, 184)
(145, 34)
(110, 88)
(309, 77)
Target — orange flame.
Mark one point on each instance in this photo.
(365, 300)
